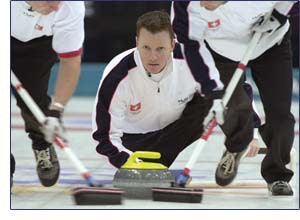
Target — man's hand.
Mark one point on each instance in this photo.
(269, 25)
(218, 110)
(253, 148)
(53, 127)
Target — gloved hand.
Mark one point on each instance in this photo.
(182, 180)
(217, 109)
(53, 127)
(269, 25)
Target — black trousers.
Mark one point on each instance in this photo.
(272, 73)
(174, 138)
(240, 118)
(12, 165)
(32, 62)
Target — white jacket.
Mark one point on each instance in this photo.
(65, 25)
(229, 28)
(129, 101)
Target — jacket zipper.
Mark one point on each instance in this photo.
(158, 88)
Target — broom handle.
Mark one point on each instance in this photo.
(41, 118)
(209, 121)
(30, 103)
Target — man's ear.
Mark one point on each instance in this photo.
(173, 44)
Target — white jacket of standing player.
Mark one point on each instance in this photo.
(229, 28)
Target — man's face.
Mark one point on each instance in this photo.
(44, 7)
(211, 5)
(155, 49)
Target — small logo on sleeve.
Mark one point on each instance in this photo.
(135, 108)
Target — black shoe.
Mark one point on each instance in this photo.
(47, 165)
(280, 188)
(228, 167)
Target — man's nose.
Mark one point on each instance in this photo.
(153, 55)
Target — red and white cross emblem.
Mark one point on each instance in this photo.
(136, 107)
(214, 24)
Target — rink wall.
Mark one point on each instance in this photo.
(91, 74)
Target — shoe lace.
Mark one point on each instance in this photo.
(43, 159)
(228, 163)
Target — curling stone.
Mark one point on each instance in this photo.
(137, 178)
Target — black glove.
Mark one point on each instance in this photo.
(275, 22)
(118, 159)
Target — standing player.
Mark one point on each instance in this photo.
(228, 29)
(41, 31)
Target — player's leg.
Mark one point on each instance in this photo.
(32, 62)
(272, 73)
(238, 126)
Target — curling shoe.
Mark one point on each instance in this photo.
(47, 165)
(228, 166)
(280, 188)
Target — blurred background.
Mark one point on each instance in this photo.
(110, 30)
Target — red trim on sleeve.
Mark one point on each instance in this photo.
(70, 54)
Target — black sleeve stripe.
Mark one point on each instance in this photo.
(180, 22)
(194, 59)
(113, 79)
(177, 53)
(198, 68)
(105, 96)
(294, 11)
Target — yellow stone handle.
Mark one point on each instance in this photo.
(134, 163)
(144, 154)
